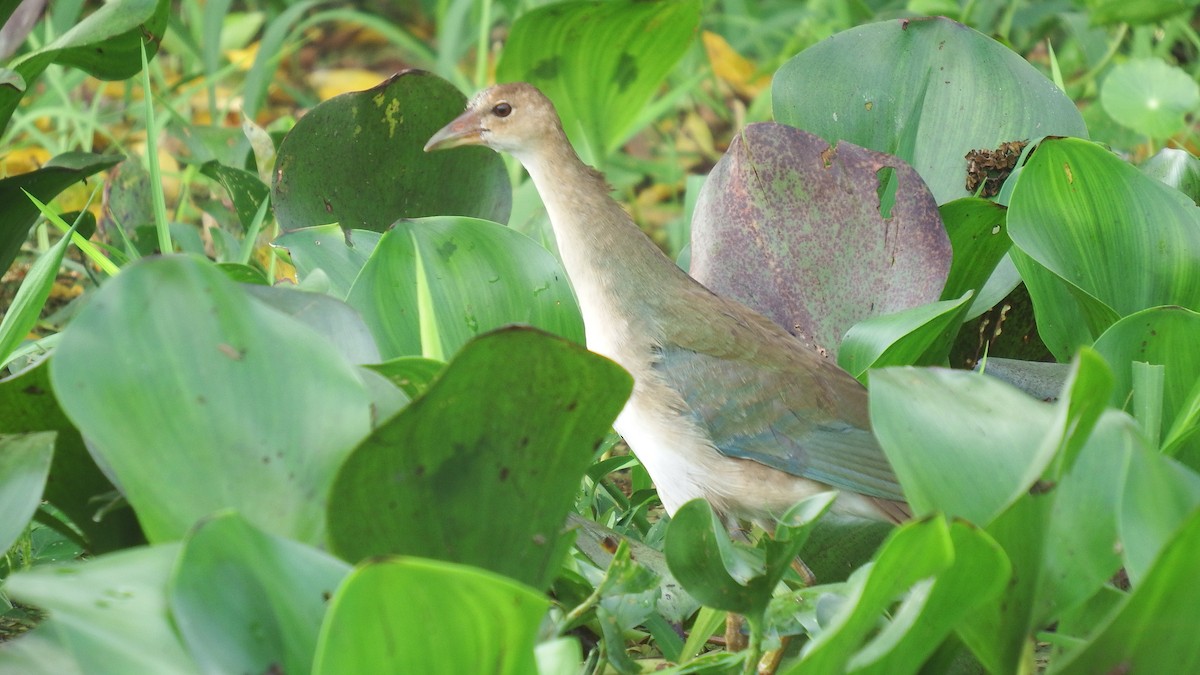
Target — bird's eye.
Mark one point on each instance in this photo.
(502, 110)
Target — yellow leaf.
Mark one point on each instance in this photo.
(734, 68)
(24, 160)
(331, 82)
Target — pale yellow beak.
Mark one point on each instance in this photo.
(464, 130)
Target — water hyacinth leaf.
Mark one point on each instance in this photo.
(19, 213)
(1152, 632)
(24, 466)
(928, 615)
(1149, 96)
(426, 616)
(913, 552)
(1158, 497)
(358, 160)
(1122, 241)
(432, 284)
(600, 62)
(332, 318)
(979, 237)
(107, 616)
(77, 487)
(918, 336)
(960, 443)
(245, 189)
(207, 437)
(927, 90)
(341, 255)
(265, 610)
(508, 429)
(795, 229)
(1177, 168)
(1164, 336)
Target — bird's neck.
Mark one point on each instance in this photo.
(620, 277)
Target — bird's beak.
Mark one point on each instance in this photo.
(464, 130)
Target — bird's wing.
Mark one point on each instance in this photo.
(763, 396)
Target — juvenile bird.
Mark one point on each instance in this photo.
(726, 405)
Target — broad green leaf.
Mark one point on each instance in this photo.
(412, 374)
(735, 577)
(357, 160)
(505, 433)
(424, 616)
(1177, 168)
(107, 44)
(341, 255)
(245, 601)
(18, 213)
(1150, 96)
(335, 320)
(1082, 549)
(599, 61)
(24, 466)
(1120, 241)
(1154, 631)
(107, 616)
(979, 237)
(1166, 336)
(77, 487)
(931, 612)
(432, 284)
(245, 189)
(1158, 496)
(796, 230)
(960, 443)
(196, 365)
(926, 90)
(914, 551)
(918, 336)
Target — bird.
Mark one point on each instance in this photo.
(726, 405)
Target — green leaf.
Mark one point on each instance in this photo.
(107, 616)
(432, 284)
(245, 190)
(1158, 497)
(931, 612)
(979, 237)
(1164, 336)
(24, 466)
(960, 443)
(1153, 632)
(266, 606)
(426, 616)
(412, 374)
(914, 551)
(329, 317)
(18, 214)
(341, 255)
(77, 487)
(918, 336)
(1149, 96)
(926, 90)
(358, 160)
(729, 576)
(599, 61)
(795, 229)
(505, 432)
(1177, 168)
(194, 362)
(1122, 242)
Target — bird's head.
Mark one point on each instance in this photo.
(512, 118)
